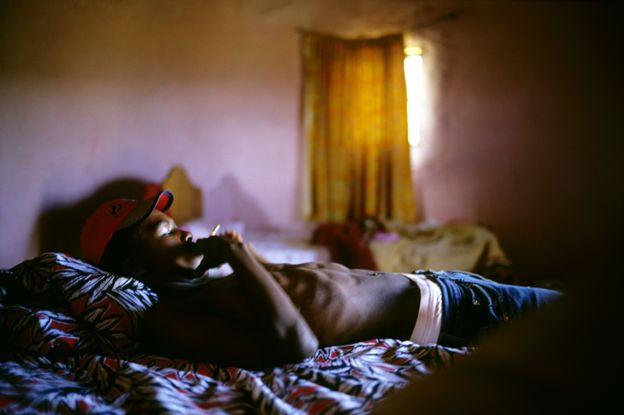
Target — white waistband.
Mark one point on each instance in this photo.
(429, 320)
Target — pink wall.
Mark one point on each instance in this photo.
(96, 91)
(521, 134)
(526, 133)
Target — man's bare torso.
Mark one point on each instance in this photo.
(341, 305)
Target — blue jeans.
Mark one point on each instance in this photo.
(472, 305)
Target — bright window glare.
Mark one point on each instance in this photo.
(413, 67)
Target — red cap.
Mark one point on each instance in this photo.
(114, 216)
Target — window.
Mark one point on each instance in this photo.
(413, 67)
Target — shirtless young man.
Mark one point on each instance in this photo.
(269, 314)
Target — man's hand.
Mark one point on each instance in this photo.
(237, 237)
(213, 249)
(233, 236)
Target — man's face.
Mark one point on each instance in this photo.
(165, 250)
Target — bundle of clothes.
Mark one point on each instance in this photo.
(371, 243)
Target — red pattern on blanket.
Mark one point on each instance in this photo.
(69, 347)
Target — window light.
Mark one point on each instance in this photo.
(413, 67)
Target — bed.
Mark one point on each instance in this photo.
(69, 346)
(69, 329)
(369, 243)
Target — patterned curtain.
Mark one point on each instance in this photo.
(355, 129)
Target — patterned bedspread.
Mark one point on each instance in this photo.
(68, 346)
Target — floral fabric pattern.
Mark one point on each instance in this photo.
(68, 346)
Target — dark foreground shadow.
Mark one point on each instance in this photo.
(563, 359)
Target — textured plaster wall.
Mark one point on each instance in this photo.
(101, 91)
(525, 131)
(522, 125)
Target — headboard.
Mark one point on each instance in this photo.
(188, 203)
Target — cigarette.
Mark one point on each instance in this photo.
(215, 230)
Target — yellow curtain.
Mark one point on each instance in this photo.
(355, 129)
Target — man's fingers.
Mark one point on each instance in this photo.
(231, 234)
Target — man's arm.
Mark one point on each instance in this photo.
(279, 333)
(170, 330)
(266, 297)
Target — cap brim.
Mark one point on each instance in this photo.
(162, 201)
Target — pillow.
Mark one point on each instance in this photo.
(111, 306)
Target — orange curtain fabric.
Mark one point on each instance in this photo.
(355, 129)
